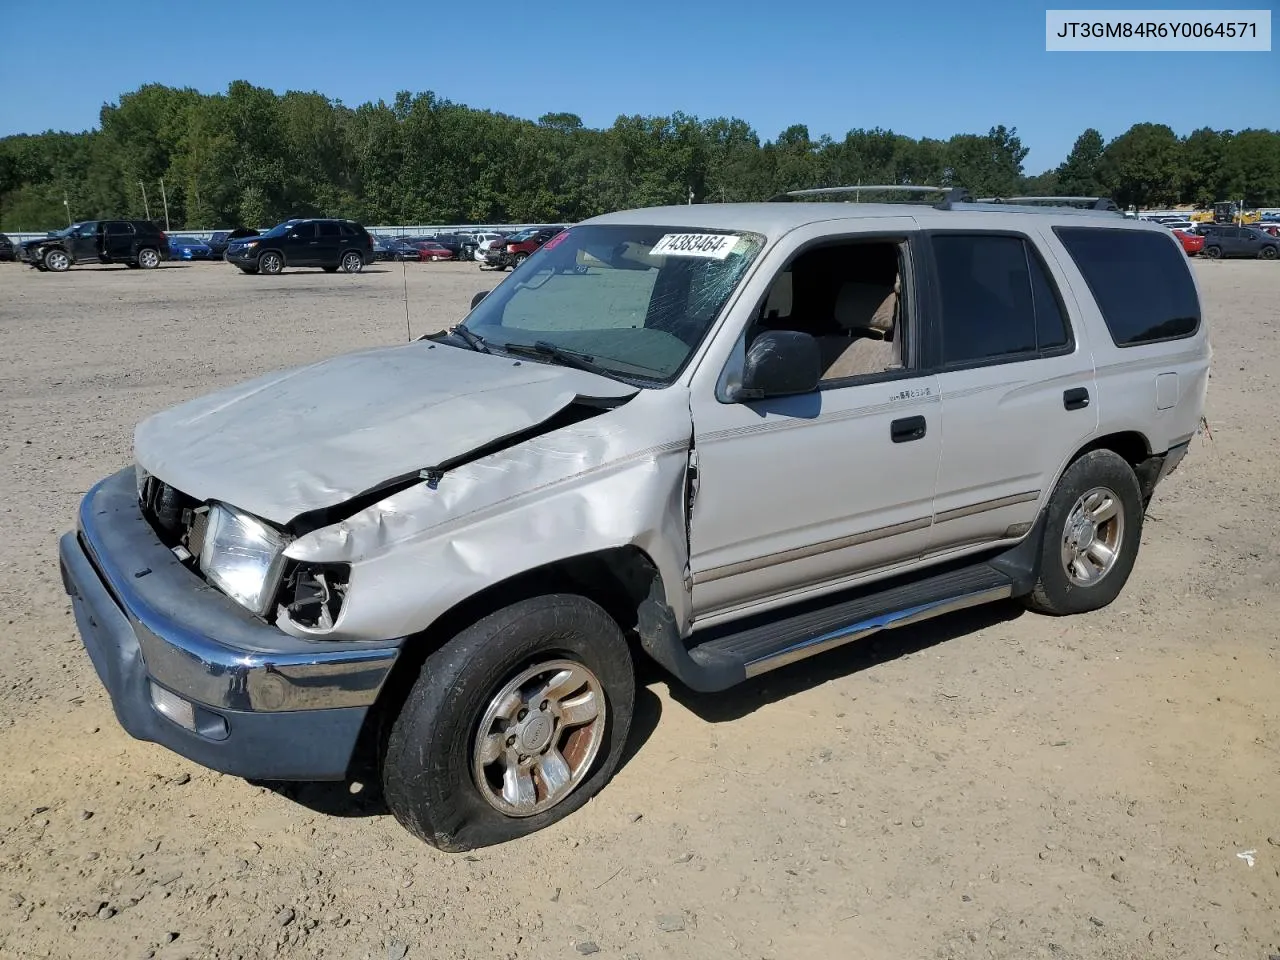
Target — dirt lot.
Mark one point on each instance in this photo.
(992, 785)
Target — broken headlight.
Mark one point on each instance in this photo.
(243, 557)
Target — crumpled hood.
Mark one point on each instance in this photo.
(316, 436)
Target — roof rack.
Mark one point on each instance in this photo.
(1081, 203)
(950, 194)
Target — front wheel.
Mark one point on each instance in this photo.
(512, 725)
(148, 259)
(270, 263)
(1213, 252)
(56, 261)
(1268, 253)
(1093, 524)
(352, 262)
(520, 258)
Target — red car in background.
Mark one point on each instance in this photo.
(1192, 243)
(432, 251)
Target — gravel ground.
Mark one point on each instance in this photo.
(995, 784)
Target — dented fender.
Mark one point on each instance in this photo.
(616, 480)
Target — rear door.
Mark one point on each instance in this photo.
(1017, 383)
(330, 243)
(117, 240)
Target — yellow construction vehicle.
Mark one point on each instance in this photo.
(1227, 212)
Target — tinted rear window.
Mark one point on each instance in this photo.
(1140, 281)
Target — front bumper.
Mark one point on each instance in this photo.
(266, 705)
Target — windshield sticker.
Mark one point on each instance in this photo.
(711, 246)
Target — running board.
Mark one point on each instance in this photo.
(767, 646)
(722, 656)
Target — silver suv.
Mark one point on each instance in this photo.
(723, 437)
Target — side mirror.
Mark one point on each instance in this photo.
(780, 363)
(475, 301)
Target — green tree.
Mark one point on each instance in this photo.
(1080, 175)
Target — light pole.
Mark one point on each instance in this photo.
(145, 206)
(166, 204)
(67, 204)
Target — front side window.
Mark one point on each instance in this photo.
(997, 300)
(305, 231)
(636, 300)
(1140, 281)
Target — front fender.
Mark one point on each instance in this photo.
(420, 552)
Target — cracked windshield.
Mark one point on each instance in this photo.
(633, 302)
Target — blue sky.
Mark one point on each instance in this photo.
(929, 68)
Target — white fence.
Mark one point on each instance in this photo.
(417, 230)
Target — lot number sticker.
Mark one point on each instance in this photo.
(710, 246)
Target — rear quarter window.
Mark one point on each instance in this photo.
(1140, 281)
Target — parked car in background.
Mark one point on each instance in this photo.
(1271, 229)
(1186, 226)
(1192, 243)
(135, 243)
(1221, 241)
(331, 245)
(431, 250)
(7, 249)
(516, 249)
(219, 242)
(189, 248)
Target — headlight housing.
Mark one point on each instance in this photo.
(243, 557)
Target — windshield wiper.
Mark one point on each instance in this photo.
(472, 340)
(544, 349)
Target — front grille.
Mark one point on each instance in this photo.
(196, 531)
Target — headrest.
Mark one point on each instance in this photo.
(866, 306)
(779, 302)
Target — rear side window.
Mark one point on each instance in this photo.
(306, 231)
(348, 230)
(997, 300)
(119, 227)
(328, 228)
(1139, 280)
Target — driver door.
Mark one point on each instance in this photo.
(83, 244)
(302, 245)
(814, 491)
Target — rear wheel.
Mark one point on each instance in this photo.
(270, 263)
(56, 260)
(1213, 251)
(352, 262)
(148, 259)
(512, 725)
(1093, 524)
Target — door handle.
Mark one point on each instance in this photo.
(907, 429)
(1077, 398)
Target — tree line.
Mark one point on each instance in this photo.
(250, 156)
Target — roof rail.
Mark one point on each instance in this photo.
(950, 194)
(1080, 203)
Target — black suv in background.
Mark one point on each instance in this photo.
(1228, 241)
(330, 244)
(135, 243)
(219, 242)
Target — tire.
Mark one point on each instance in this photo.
(148, 258)
(56, 261)
(434, 777)
(520, 258)
(270, 263)
(1213, 252)
(1267, 253)
(1101, 483)
(352, 262)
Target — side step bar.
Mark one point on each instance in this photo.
(768, 646)
(723, 656)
